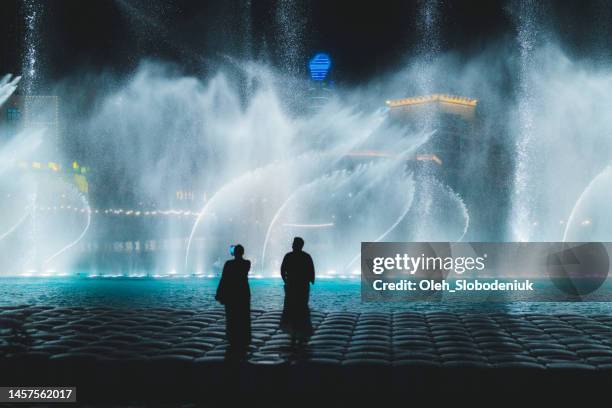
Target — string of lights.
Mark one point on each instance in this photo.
(120, 211)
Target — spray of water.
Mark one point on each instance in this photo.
(16, 225)
(589, 219)
(271, 168)
(290, 21)
(523, 203)
(32, 13)
(8, 85)
(87, 211)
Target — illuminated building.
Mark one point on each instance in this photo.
(30, 111)
(460, 153)
(454, 120)
(320, 84)
(77, 175)
(22, 112)
(448, 104)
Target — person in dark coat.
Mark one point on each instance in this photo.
(234, 293)
(297, 271)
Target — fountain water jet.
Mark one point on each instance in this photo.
(522, 200)
(33, 10)
(87, 209)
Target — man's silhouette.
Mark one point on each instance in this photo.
(234, 293)
(297, 271)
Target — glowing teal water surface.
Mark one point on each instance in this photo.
(198, 293)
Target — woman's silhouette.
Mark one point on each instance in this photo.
(234, 293)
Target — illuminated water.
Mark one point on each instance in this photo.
(198, 293)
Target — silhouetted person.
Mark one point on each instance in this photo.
(297, 271)
(234, 293)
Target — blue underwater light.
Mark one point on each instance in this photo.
(319, 66)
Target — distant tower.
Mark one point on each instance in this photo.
(320, 84)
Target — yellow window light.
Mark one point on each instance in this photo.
(368, 153)
(429, 157)
(81, 183)
(418, 100)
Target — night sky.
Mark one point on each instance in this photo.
(365, 39)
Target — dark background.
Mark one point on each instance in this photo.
(365, 39)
